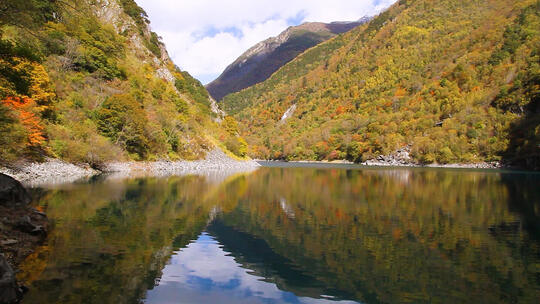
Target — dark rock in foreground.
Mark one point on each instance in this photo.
(10, 292)
(12, 193)
(22, 228)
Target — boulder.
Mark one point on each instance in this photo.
(25, 224)
(12, 193)
(10, 292)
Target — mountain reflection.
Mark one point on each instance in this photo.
(293, 235)
(203, 272)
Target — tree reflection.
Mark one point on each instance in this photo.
(369, 235)
(111, 239)
(403, 235)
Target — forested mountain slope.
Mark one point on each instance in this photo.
(259, 62)
(87, 81)
(454, 81)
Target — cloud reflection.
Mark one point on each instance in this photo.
(204, 273)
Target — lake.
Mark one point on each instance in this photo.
(292, 233)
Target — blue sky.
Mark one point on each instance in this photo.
(204, 36)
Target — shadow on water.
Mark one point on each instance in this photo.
(524, 199)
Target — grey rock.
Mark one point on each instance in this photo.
(216, 167)
(52, 171)
(24, 224)
(10, 292)
(12, 193)
(39, 213)
(8, 242)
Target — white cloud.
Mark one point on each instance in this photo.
(204, 36)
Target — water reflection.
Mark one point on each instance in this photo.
(110, 239)
(204, 272)
(297, 235)
(447, 236)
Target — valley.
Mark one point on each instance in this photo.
(392, 158)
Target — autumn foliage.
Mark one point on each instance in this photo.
(456, 81)
(74, 87)
(24, 109)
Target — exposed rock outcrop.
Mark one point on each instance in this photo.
(402, 158)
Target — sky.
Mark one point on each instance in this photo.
(204, 36)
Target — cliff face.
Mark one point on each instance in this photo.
(88, 81)
(114, 13)
(266, 57)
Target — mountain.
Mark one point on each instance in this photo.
(449, 81)
(266, 57)
(88, 81)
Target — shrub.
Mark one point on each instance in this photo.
(237, 145)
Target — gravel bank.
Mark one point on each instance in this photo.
(402, 158)
(216, 166)
(378, 163)
(52, 171)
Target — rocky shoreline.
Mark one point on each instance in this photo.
(397, 163)
(51, 171)
(22, 229)
(391, 163)
(54, 171)
(216, 165)
(401, 158)
(215, 160)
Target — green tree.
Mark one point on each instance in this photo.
(123, 120)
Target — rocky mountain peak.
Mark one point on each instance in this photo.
(266, 57)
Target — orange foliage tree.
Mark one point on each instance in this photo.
(24, 109)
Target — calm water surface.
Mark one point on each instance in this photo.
(292, 235)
